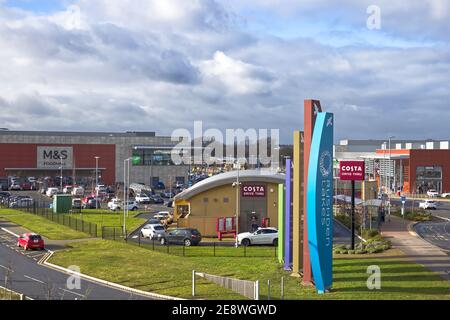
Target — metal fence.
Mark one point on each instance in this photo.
(246, 288)
(205, 249)
(67, 220)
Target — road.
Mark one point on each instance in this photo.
(38, 282)
(436, 232)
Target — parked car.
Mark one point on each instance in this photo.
(153, 221)
(51, 192)
(152, 231)
(156, 199)
(163, 215)
(78, 191)
(30, 241)
(267, 236)
(76, 203)
(116, 204)
(166, 194)
(91, 203)
(68, 189)
(142, 198)
(432, 193)
(183, 236)
(159, 186)
(445, 195)
(428, 205)
(15, 187)
(31, 179)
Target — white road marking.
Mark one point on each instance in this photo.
(80, 295)
(34, 279)
(6, 268)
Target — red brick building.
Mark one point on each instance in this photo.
(418, 170)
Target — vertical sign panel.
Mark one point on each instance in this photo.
(311, 109)
(297, 205)
(281, 224)
(320, 202)
(288, 217)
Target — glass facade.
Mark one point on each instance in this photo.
(152, 157)
(429, 178)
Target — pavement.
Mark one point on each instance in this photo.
(402, 236)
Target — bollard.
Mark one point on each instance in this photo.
(268, 289)
(193, 283)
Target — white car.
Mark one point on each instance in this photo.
(78, 191)
(67, 189)
(432, 193)
(162, 215)
(428, 205)
(116, 204)
(51, 192)
(152, 231)
(268, 236)
(445, 195)
(142, 198)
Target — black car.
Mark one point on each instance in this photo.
(91, 204)
(184, 236)
(156, 199)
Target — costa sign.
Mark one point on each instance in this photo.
(352, 170)
(253, 191)
(51, 157)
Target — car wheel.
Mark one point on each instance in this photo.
(142, 235)
(245, 242)
(134, 209)
(275, 242)
(25, 248)
(187, 242)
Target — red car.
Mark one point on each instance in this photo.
(30, 241)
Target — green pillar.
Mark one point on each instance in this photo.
(281, 223)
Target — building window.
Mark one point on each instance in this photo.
(205, 200)
(226, 200)
(429, 178)
(152, 157)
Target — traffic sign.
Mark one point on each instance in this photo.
(403, 199)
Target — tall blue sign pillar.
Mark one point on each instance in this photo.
(320, 202)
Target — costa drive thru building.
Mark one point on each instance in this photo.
(202, 204)
(41, 153)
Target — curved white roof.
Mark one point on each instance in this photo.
(263, 176)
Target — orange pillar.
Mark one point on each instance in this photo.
(311, 108)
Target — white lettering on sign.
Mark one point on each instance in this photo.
(253, 191)
(53, 157)
(352, 168)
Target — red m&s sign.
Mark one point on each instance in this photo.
(352, 170)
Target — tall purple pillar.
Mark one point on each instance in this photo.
(288, 217)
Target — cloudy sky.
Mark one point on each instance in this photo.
(116, 65)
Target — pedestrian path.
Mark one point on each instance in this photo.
(400, 233)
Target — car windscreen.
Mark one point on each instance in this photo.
(35, 238)
(158, 228)
(195, 232)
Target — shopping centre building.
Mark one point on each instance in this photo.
(42, 153)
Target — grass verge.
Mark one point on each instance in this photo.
(171, 275)
(44, 227)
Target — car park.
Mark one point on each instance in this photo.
(152, 231)
(262, 236)
(30, 241)
(432, 193)
(183, 236)
(428, 205)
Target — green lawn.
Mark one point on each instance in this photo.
(7, 295)
(109, 218)
(171, 274)
(45, 227)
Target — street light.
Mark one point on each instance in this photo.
(125, 196)
(237, 186)
(96, 182)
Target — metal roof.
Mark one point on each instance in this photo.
(262, 176)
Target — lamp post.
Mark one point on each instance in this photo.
(96, 182)
(125, 195)
(61, 177)
(237, 186)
